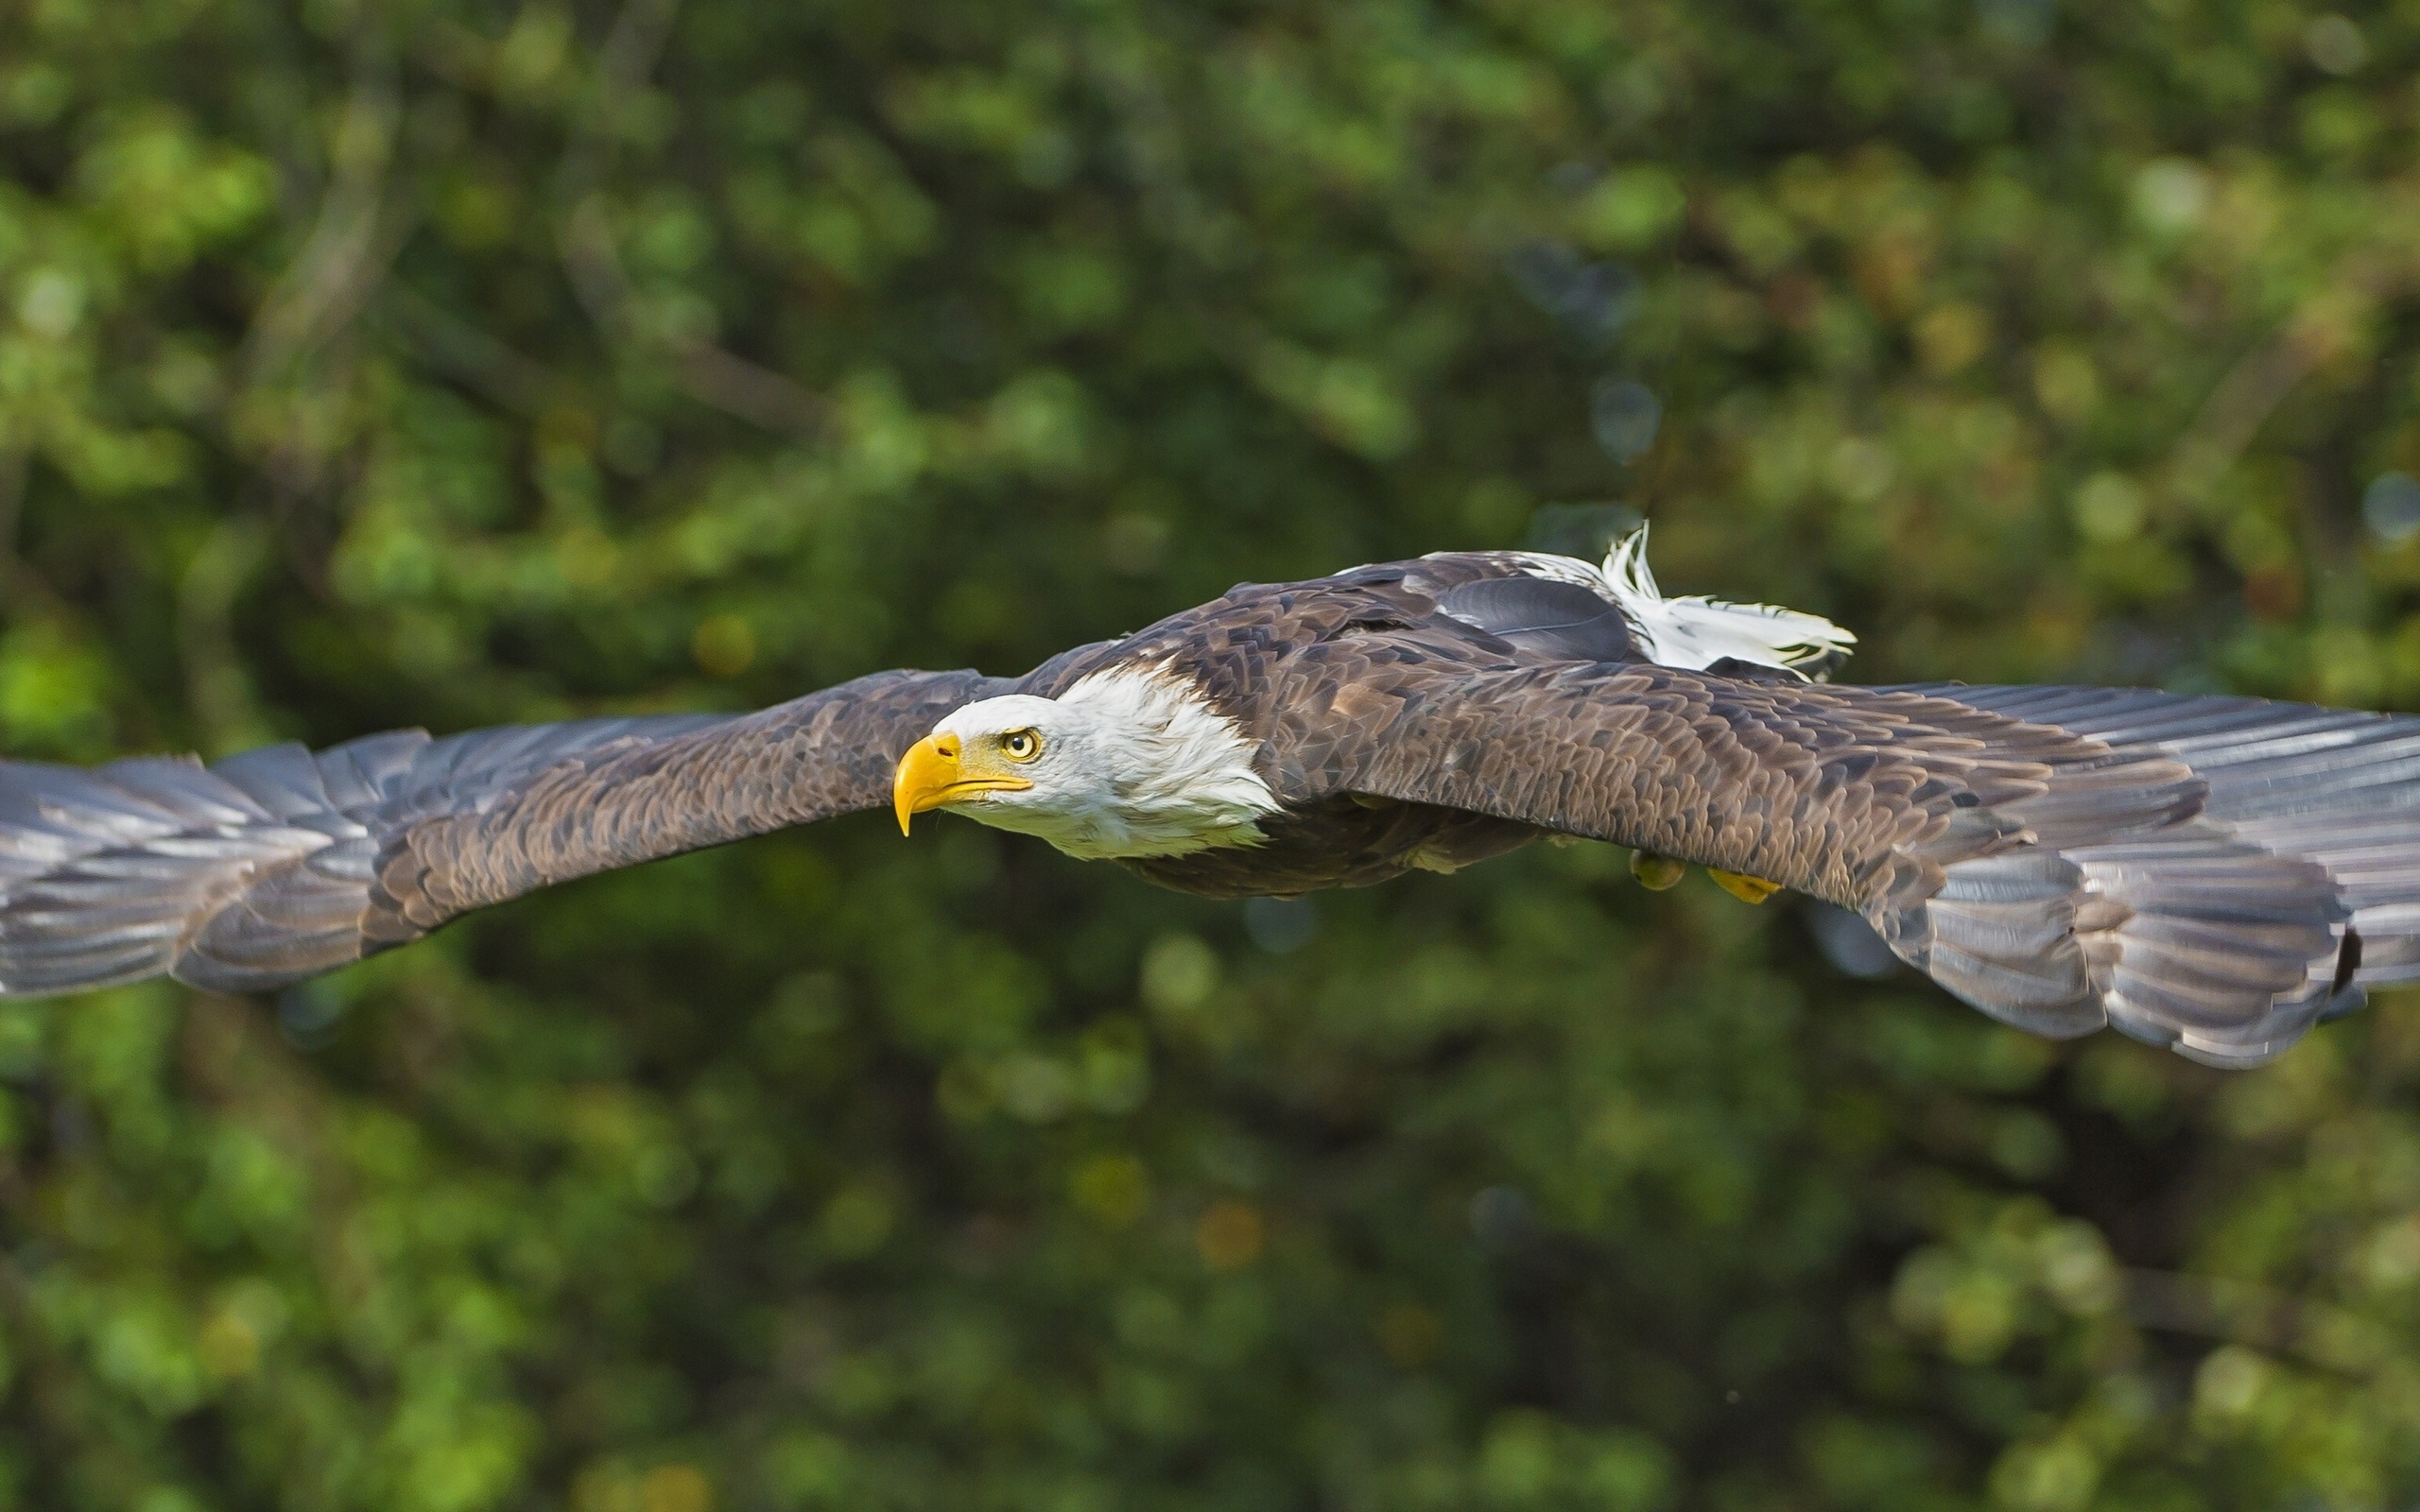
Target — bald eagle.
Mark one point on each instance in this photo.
(2214, 874)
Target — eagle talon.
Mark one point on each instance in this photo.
(1655, 872)
(1747, 889)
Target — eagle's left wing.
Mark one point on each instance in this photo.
(2213, 874)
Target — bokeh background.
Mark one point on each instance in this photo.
(368, 363)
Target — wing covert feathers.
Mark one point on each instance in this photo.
(2213, 874)
(281, 863)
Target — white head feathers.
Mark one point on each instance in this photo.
(1134, 762)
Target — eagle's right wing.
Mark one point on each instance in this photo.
(281, 863)
(2216, 874)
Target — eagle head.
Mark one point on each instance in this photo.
(1129, 761)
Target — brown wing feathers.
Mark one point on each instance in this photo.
(2056, 876)
(278, 863)
(829, 753)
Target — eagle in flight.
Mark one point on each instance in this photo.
(2216, 874)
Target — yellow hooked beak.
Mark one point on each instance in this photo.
(932, 774)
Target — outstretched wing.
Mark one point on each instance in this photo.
(281, 863)
(2216, 874)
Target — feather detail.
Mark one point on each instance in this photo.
(1695, 632)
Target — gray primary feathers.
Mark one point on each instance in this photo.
(2216, 874)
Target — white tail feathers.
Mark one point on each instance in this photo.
(1699, 631)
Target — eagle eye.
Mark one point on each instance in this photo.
(1021, 745)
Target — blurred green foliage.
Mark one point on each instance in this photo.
(379, 361)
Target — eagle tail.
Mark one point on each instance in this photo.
(1697, 633)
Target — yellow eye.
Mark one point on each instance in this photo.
(1021, 745)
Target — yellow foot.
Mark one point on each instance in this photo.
(1747, 889)
(1655, 872)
